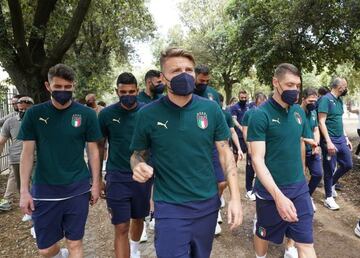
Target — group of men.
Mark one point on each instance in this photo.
(172, 154)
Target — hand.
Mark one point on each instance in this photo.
(286, 209)
(240, 154)
(316, 150)
(95, 193)
(102, 189)
(26, 203)
(142, 172)
(348, 143)
(235, 215)
(331, 148)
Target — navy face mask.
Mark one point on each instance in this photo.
(158, 89)
(128, 100)
(182, 84)
(289, 96)
(200, 88)
(62, 96)
(310, 107)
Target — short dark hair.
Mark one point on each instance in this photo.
(62, 71)
(151, 74)
(126, 78)
(102, 103)
(202, 69)
(309, 92)
(335, 81)
(259, 95)
(175, 52)
(284, 68)
(323, 90)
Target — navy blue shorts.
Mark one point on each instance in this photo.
(219, 173)
(185, 238)
(271, 227)
(127, 200)
(55, 219)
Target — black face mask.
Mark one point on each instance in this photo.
(200, 88)
(21, 114)
(62, 96)
(90, 104)
(242, 103)
(344, 93)
(310, 107)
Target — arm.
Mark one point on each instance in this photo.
(236, 123)
(95, 171)
(330, 146)
(26, 165)
(101, 145)
(284, 206)
(235, 139)
(303, 154)
(2, 142)
(245, 129)
(227, 161)
(142, 172)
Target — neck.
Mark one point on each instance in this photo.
(335, 93)
(303, 106)
(179, 100)
(149, 92)
(278, 99)
(59, 106)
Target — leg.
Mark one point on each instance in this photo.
(329, 168)
(121, 243)
(313, 162)
(50, 251)
(136, 229)
(10, 186)
(358, 147)
(249, 174)
(16, 168)
(306, 250)
(261, 246)
(75, 248)
(345, 161)
(203, 235)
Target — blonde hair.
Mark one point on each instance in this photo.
(175, 52)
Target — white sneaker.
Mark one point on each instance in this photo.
(32, 232)
(333, 192)
(249, 195)
(219, 218)
(313, 204)
(217, 229)
(152, 224)
(222, 200)
(64, 252)
(331, 204)
(291, 252)
(26, 218)
(143, 237)
(357, 230)
(135, 255)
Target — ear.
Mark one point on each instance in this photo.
(47, 85)
(116, 91)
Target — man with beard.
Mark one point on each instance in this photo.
(154, 87)
(91, 103)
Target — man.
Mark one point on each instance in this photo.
(14, 101)
(313, 158)
(335, 145)
(275, 132)
(154, 87)
(202, 88)
(59, 197)
(91, 103)
(10, 130)
(238, 111)
(249, 170)
(180, 130)
(126, 199)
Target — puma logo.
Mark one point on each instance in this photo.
(162, 124)
(276, 120)
(116, 120)
(44, 120)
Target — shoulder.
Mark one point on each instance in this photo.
(150, 107)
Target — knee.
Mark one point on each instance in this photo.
(49, 252)
(348, 166)
(74, 246)
(306, 250)
(122, 229)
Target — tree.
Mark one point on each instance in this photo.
(302, 32)
(54, 31)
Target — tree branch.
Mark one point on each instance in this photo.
(37, 36)
(19, 33)
(70, 35)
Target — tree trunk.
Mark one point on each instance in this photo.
(228, 86)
